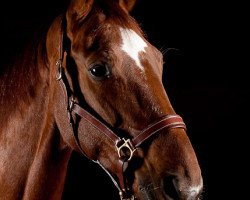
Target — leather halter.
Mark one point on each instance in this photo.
(125, 147)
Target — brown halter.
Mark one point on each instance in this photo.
(126, 147)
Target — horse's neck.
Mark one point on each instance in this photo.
(33, 157)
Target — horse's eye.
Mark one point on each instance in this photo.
(99, 71)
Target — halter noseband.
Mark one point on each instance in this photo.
(125, 147)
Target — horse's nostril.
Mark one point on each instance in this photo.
(169, 187)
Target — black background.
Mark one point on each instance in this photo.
(205, 75)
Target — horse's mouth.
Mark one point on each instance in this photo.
(151, 192)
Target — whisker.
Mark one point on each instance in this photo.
(168, 49)
(156, 188)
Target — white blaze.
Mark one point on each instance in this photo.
(132, 44)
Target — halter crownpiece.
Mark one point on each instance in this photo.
(125, 147)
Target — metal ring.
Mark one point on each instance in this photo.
(59, 70)
(123, 146)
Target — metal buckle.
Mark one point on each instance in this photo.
(71, 103)
(125, 149)
(59, 70)
(70, 107)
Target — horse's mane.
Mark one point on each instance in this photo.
(19, 79)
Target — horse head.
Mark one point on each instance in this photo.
(114, 73)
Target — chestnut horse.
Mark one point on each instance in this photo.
(93, 85)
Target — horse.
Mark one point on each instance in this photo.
(93, 84)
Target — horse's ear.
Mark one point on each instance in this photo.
(77, 11)
(128, 5)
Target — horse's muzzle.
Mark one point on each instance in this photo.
(169, 189)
